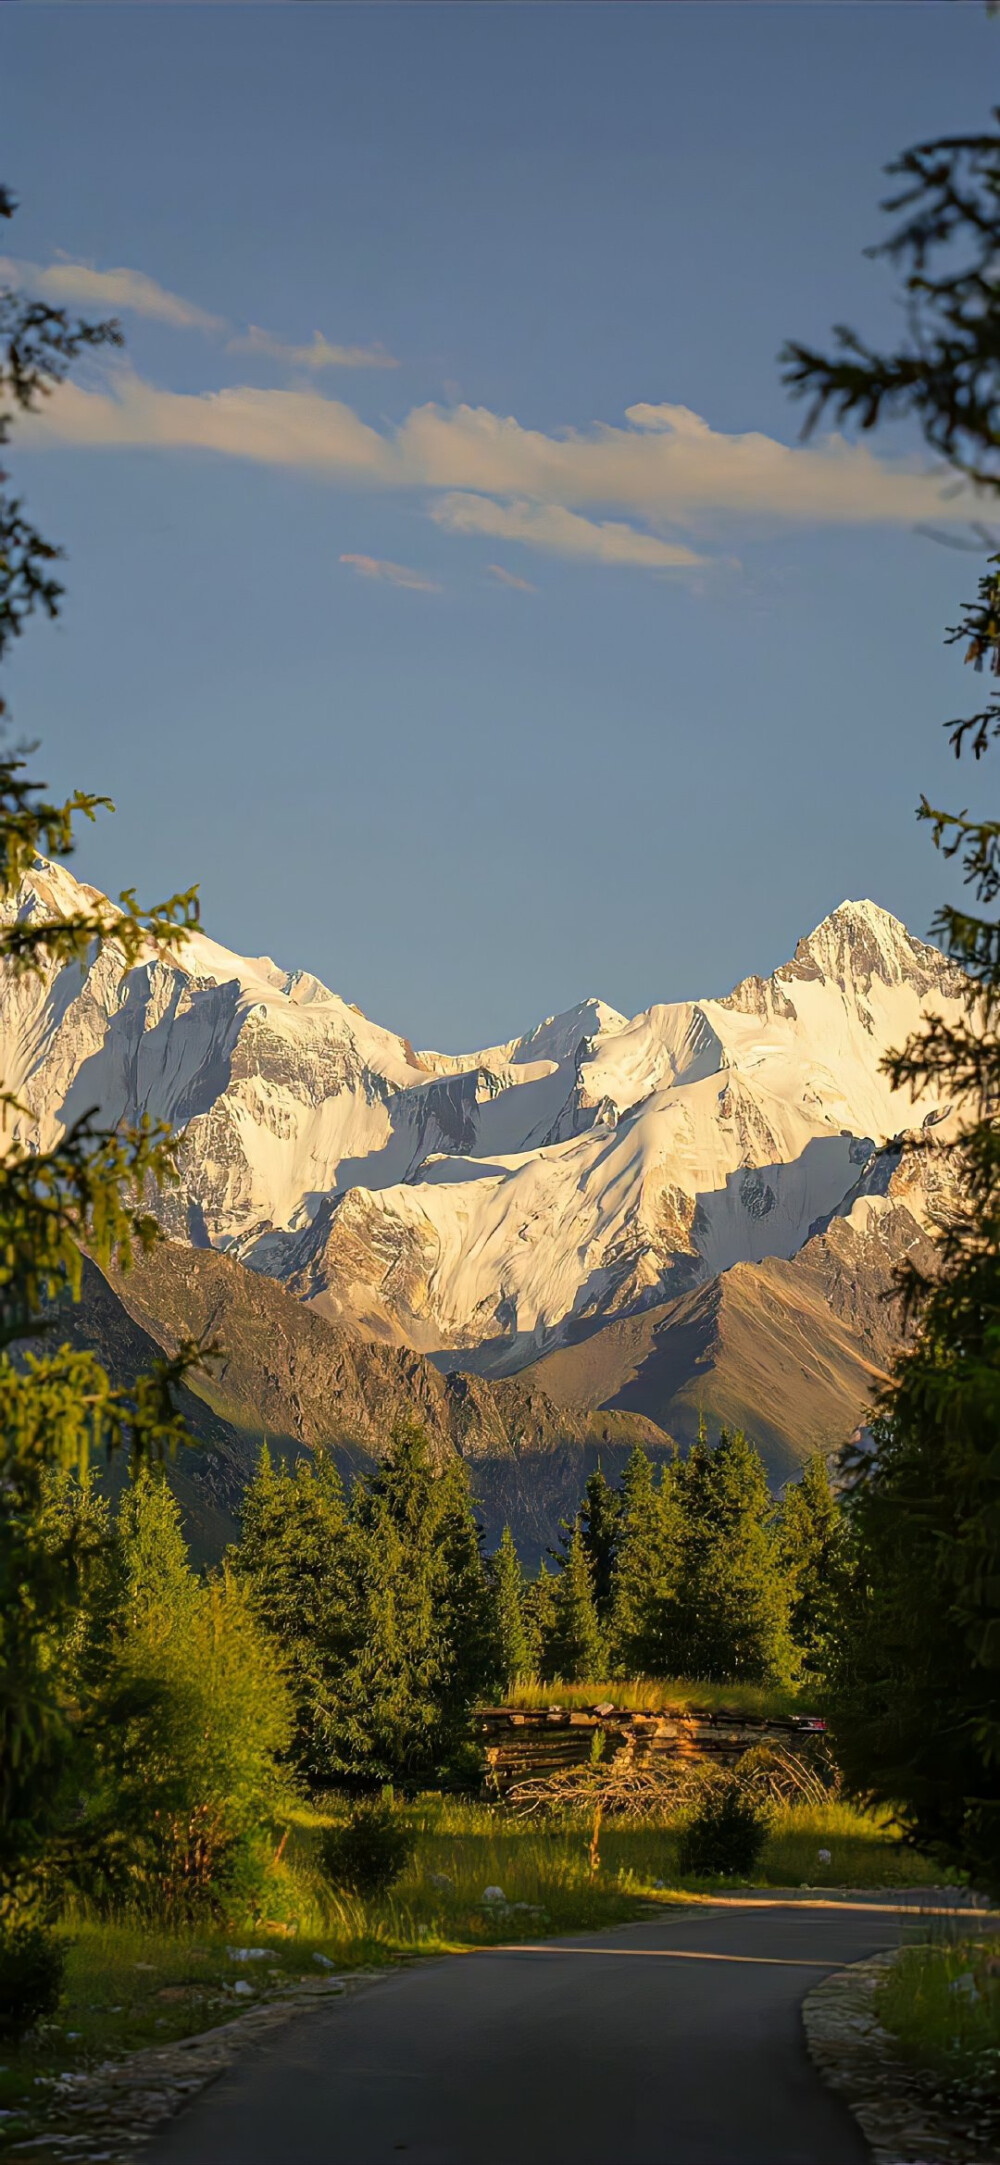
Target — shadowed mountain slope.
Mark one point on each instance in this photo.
(288, 1377)
(794, 1351)
(483, 1208)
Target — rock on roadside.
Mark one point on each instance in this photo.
(107, 2115)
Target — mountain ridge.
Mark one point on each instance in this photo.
(488, 1210)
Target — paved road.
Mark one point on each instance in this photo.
(676, 2042)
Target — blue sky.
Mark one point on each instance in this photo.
(505, 646)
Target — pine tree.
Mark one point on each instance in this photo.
(514, 1652)
(150, 1562)
(423, 1647)
(297, 1559)
(59, 1407)
(644, 1573)
(600, 1522)
(917, 1709)
(539, 1616)
(813, 1542)
(573, 1648)
(728, 1617)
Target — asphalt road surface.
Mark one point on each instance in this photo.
(674, 2042)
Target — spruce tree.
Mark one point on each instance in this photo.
(513, 1643)
(573, 1648)
(728, 1618)
(539, 1616)
(297, 1559)
(644, 1572)
(813, 1541)
(600, 1522)
(423, 1647)
(59, 1407)
(918, 1705)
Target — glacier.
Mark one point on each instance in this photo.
(486, 1207)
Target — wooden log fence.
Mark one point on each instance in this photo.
(525, 1742)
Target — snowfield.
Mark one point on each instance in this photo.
(494, 1204)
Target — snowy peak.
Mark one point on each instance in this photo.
(483, 1206)
(859, 941)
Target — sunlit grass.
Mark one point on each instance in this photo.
(128, 1986)
(865, 1850)
(941, 2004)
(653, 1695)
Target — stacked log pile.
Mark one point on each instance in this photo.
(522, 1743)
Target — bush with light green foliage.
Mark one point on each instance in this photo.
(189, 1721)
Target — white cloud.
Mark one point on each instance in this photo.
(667, 464)
(669, 476)
(133, 293)
(379, 567)
(272, 428)
(317, 355)
(510, 578)
(676, 469)
(551, 526)
(81, 284)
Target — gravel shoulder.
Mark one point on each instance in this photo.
(887, 2096)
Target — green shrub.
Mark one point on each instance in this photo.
(725, 1836)
(191, 1717)
(31, 1976)
(465, 1770)
(371, 1852)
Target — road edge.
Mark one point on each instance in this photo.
(856, 2056)
(111, 2112)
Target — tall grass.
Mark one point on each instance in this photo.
(128, 1986)
(652, 1695)
(940, 2001)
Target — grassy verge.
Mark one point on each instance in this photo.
(940, 2003)
(652, 1694)
(127, 1987)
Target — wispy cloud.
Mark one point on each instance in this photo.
(318, 354)
(68, 281)
(551, 526)
(671, 479)
(272, 428)
(379, 567)
(675, 471)
(510, 578)
(132, 292)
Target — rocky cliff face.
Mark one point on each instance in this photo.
(483, 1207)
(492, 1209)
(795, 1350)
(287, 1377)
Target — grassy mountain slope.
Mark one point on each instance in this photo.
(793, 1351)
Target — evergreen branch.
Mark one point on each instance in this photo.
(39, 344)
(87, 1191)
(64, 1405)
(948, 374)
(53, 942)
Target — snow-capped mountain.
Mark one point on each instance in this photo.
(486, 1207)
